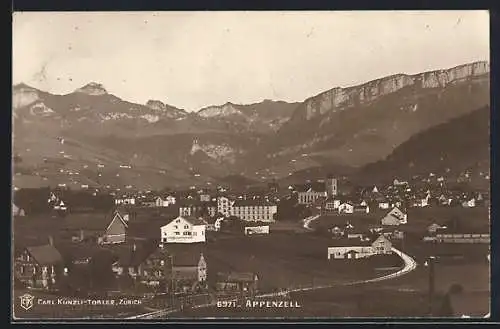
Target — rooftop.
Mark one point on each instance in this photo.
(45, 255)
(236, 277)
(252, 202)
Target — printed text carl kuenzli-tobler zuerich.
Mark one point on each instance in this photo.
(76, 302)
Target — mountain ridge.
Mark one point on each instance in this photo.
(268, 139)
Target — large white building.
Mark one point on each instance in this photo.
(254, 210)
(310, 193)
(224, 206)
(183, 230)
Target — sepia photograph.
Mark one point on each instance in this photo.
(178, 165)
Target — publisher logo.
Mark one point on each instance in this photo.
(27, 301)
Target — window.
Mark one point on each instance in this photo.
(202, 232)
(194, 233)
(177, 233)
(164, 239)
(175, 226)
(186, 226)
(178, 221)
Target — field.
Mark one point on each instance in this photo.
(283, 260)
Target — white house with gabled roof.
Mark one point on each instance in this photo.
(183, 230)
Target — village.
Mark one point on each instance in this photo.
(195, 246)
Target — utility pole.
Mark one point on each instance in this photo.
(430, 262)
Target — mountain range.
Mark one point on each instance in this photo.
(91, 136)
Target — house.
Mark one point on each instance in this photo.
(361, 209)
(237, 281)
(115, 232)
(384, 204)
(163, 269)
(16, 211)
(254, 210)
(395, 217)
(214, 223)
(189, 270)
(39, 266)
(422, 202)
(129, 260)
(192, 208)
(252, 230)
(444, 201)
(397, 203)
(205, 197)
(471, 203)
(224, 206)
(433, 228)
(354, 235)
(151, 268)
(393, 234)
(166, 201)
(60, 206)
(330, 206)
(336, 231)
(183, 230)
(362, 248)
(397, 182)
(148, 201)
(346, 208)
(125, 200)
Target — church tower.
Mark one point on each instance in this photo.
(331, 186)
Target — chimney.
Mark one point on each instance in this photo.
(51, 240)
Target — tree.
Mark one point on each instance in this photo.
(446, 309)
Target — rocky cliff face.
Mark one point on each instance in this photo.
(341, 98)
(93, 89)
(156, 105)
(219, 111)
(164, 110)
(23, 95)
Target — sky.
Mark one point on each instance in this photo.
(195, 59)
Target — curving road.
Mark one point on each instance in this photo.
(409, 265)
(308, 220)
